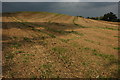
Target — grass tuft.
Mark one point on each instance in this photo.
(65, 40)
(9, 56)
(117, 48)
(117, 36)
(16, 45)
(19, 52)
(106, 56)
(59, 50)
(27, 39)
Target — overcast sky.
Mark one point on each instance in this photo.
(91, 9)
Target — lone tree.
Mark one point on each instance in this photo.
(109, 17)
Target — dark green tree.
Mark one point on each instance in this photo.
(109, 17)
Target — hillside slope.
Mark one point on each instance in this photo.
(51, 45)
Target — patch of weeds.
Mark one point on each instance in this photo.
(9, 56)
(64, 59)
(46, 66)
(33, 29)
(65, 40)
(96, 54)
(26, 58)
(15, 45)
(28, 54)
(12, 74)
(46, 73)
(89, 40)
(75, 32)
(56, 31)
(92, 41)
(117, 48)
(43, 43)
(27, 39)
(85, 63)
(19, 52)
(23, 23)
(74, 44)
(43, 37)
(108, 28)
(60, 32)
(33, 77)
(118, 29)
(59, 50)
(118, 68)
(60, 54)
(112, 29)
(106, 56)
(39, 30)
(94, 50)
(59, 24)
(40, 38)
(49, 34)
(117, 36)
(78, 33)
(37, 25)
(86, 48)
(25, 61)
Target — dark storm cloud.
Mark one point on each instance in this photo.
(99, 4)
(24, 6)
(71, 8)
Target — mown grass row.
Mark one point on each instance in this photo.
(53, 30)
(49, 29)
(109, 28)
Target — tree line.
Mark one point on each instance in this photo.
(107, 17)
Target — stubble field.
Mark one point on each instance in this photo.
(51, 45)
